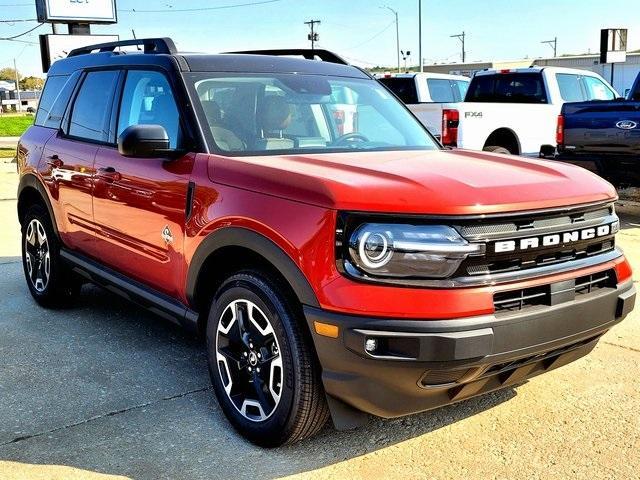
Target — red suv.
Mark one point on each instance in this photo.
(335, 268)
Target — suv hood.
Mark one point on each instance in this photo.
(446, 182)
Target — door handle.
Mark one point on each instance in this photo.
(108, 174)
(54, 161)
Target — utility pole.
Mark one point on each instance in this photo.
(313, 36)
(461, 37)
(420, 34)
(397, 34)
(19, 109)
(553, 44)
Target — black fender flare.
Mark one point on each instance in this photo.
(261, 245)
(30, 180)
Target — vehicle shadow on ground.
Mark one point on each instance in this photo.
(179, 434)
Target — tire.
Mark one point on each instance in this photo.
(251, 319)
(50, 281)
(497, 149)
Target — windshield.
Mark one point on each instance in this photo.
(290, 113)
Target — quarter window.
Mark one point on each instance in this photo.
(92, 108)
(147, 99)
(55, 97)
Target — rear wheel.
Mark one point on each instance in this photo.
(50, 281)
(497, 149)
(263, 369)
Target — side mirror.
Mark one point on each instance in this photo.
(144, 141)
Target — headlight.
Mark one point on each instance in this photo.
(399, 250)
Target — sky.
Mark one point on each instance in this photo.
(363, 31)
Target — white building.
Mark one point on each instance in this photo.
(624, 74)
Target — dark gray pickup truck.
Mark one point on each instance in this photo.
(603, 136)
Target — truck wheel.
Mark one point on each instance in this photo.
(262, 366)
(50, 281)
(497, 149)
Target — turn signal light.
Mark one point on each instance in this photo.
(326, 329)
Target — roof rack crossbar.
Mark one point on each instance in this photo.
(324, 55)
(151, 46)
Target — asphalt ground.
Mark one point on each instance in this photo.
(105, 388)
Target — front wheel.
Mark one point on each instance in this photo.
(263, 369)
(50, 281)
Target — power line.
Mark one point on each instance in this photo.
(201, 9)
(19, 20)
(22, 34)
(373, 37)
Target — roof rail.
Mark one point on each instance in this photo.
(151, 46)
(309, 54)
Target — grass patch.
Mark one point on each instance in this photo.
(7, 152)
(14, 126)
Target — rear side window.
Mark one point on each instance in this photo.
(92, 108)
(461, 87)
(55, 97)
(443, 90)
(440, 90)
(403, 87)
(507, 88)
(581, 88)
(570, 87)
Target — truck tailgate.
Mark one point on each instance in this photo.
(606, 128)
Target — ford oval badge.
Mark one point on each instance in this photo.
(626, 124)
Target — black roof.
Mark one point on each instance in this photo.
(162, 53)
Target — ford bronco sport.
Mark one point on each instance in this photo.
(334, 269)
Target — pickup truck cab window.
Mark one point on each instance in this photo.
(446, 91)
(508, 88)
(92, 107)
(597, 90)
(581, 88)
(403, 87)
(148, 99)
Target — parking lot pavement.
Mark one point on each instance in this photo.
(105, 388)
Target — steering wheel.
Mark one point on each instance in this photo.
(347, 137)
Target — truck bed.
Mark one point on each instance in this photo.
(602, 128)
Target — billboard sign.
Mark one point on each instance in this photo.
(56, 47)
(76, 11)
(613, 45)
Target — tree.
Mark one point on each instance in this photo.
(8, 74)
(32, 83)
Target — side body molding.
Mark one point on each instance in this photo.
(243, 237)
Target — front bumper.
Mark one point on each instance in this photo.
(418, 365)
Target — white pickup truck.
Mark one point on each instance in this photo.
(515, 111)
(425, 93)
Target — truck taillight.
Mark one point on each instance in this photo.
(560, 130)
(450, 121)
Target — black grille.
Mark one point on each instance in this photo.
(517, 300)
(536, 226)
(496, 263)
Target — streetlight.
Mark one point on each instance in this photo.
(397, 33)
(405, 55)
